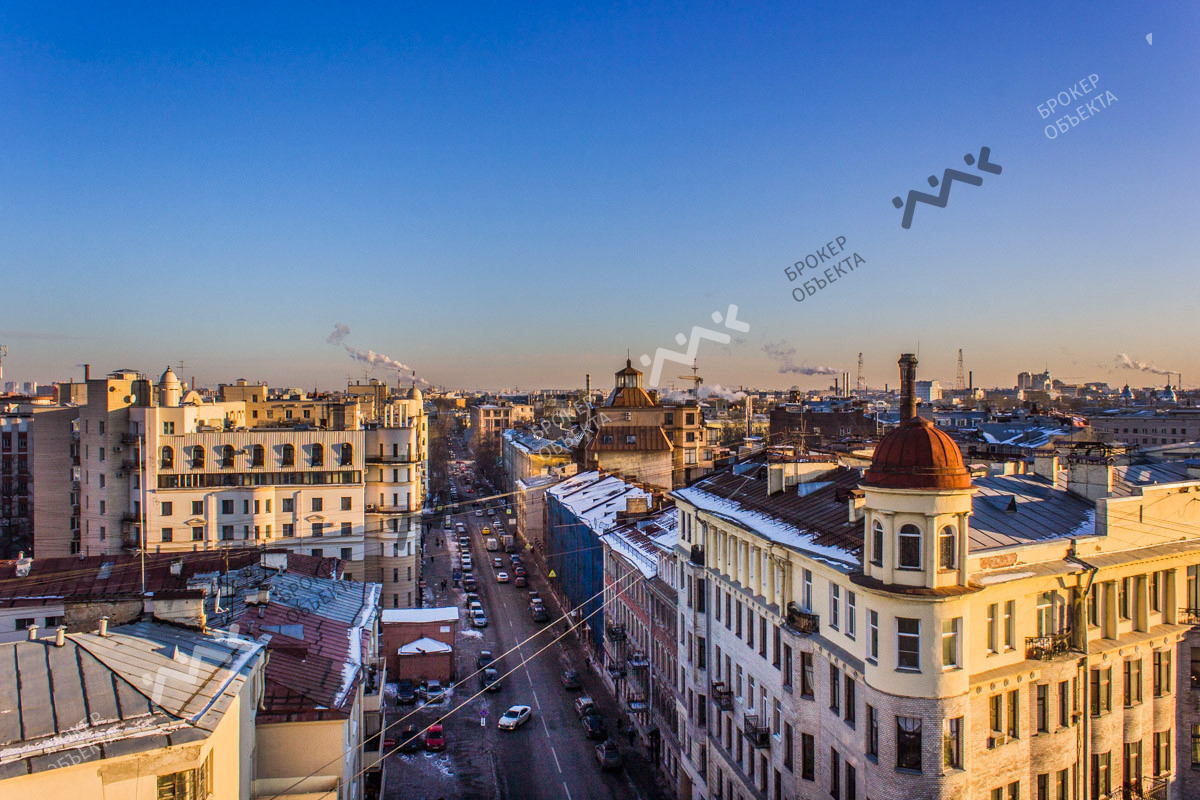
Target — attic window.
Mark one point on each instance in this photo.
(606, 439)
(631, 438)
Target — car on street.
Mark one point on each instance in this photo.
(584, 705)
(435, 739)
(489, 681)
(501, 577)
(520, 580)
(406, 693)
(479, 619)
(497, 563)
(518, 570)
(410, 739)
(491, 512)
(485, 659)
(539, 613)
(472, 598)
(514, 718)
(534, 596)
(432, 692)
(609, 755)
(469, 583)
(473, 607)
(571, 679)
(479, 512)
(594, 727)
(515, 560)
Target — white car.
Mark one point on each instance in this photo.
(514, 718)
(478, 513)
(479, 619)
(501, 577)
(475, 606)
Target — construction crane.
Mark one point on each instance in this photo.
(960, 380)
(3, 353)
(694, 377)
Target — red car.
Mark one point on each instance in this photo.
(435, 739)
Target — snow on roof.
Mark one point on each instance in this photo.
(595, 499)
(425, 645)
(448, 614)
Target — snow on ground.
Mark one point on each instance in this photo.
(472, 632)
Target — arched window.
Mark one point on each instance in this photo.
(910, 547)
(318, 455)
(168, 458)
(197, 457)
(289, 455)
(258, 456)
(877, 543)
(347, 456)
(948, 548)
(227, 454)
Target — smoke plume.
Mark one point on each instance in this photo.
(1123, 361)
(785, 354)
(340, 332)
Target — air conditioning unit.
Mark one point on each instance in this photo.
(116, 448)
(996, 741)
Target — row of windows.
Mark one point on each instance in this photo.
(287, 505)
(229, 532)
(227, 455)
(909, 547)
(216, 480)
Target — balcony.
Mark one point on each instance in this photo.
(1189, 616)
(802, 622)
(1050, 646)
(722, 696)
(636, 703)
(697, 556)
(1145, 789)
(129, 438)
(129, 465)
(616, 669)
(639, 661)
(615, 633)
(758, 734)
(129, 518)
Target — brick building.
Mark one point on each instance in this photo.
(418, 643)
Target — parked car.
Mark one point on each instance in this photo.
(489, 681)
(410, 739)
(497, 563)
(584, 705)
(514, 718)
(479, 619)
(594, 727)
(473, 607)
(571, 679)
(609, 755)
(432, 692)
(435, 739)
(485, 659)
(472, 598)
(534, 596)
(515, 560)
(520, 580)
(501, 577)
(469, 583)
(518, 570)
(406, 693)
(491, 512)
(539, 613)
(479, 512)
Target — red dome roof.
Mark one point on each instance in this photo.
(917, 455)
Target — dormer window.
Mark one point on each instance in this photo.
(948, 548)
(877, 544)
(910, 547)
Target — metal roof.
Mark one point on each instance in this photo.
(1018, 509)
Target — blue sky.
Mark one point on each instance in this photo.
(503, 195)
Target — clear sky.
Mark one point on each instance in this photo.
(514, 194)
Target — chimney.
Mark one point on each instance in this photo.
(103, 626)
(971, 380)
(60, 636)
(87, 372)
(33, 629)
(908, 386)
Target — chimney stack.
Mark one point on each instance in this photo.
(908, 387)
(60, 636)
(87, 372)
(103, 626)
(33, 629)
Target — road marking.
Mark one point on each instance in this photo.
(555, 753)
(536, 700)
(567, 789)
(530, 677)
(545, 727)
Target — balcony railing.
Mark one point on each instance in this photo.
(616, 633)
(802, 622)
(639, 661)
(129, 438)
(1145, 789)
(722, 696)
(616, 669)
(1049, 646)
(758, 734)
(697, 556)
(1189, 616)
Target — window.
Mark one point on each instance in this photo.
(346, 455)
(908, 644)
(318, 455)
(910, 547)
(1196, 745)
(227, 455)
(1132, 764)
(877, 544)
(948, 548)
(1195, 668)
(190, 784)
(808, 757)
(996, 713)
(1064, 704)
(198, 533)
(318, 529)
(168, 428)
(289, 530)
(258, 456)
(168, 458)
(1064, 784)
(197, 457)
(1133, 682)
(848, 711)
(1014, 714)
(952, 744)
(787, 745)
(1155, 591)
(1101, 775)
(288, 457)
(1162, 752)
(226, 506)
(347, 529)
(1010, 613)
(1101, 691)
(168, 535)
(1014, 790)
(287, 504)
(873, 635)
(1093, 607)
(992, 612)
(227, 532)
(101, 450)
(197, 506)
(835, 605)
(318, 504)
(851, 613)
(1043, 786)
(167, 508)
(908, 743)
(1042, 710)
(950, 628)
(872, 732)
(808, 588)
(1162, 672)
(851, 782)
(835, 689)
(835, 774)
(806, 675)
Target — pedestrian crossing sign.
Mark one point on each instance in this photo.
(553, 574)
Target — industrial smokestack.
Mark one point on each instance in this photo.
(971, 379)
(908, 387)
(87, 372)
(587, 383)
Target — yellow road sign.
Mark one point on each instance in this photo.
(553, 574)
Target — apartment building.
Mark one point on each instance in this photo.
(16, 481)
(925, 631)
(1148, 427)
(527, 455)
(492, 419)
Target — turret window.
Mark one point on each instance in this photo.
(948, 548)
(877, 544)
(910, 547)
